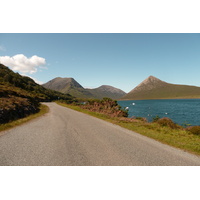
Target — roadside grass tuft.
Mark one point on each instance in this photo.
(194, 130)
(165, 121)
(43, 109)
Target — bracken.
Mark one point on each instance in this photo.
(165, 121)
(194, 130)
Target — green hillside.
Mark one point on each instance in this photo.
(26, 83)
(20, 96)
(71, 86)
(153, 88)
(106, 91)
(68, 86)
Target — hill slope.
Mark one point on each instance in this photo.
(68, 85)
(22, 82)
(107, 91)
(154, 88)
(71, 86)
(20, 96)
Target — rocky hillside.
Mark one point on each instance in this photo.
(71, 86)
(154, 88)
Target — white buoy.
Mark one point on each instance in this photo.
(126, 108)
(133, 104)
(166, 113)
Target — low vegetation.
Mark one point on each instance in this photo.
(106, 106)
(20, 96)
(165, 121)
(195, 130)
(43, 109)
(161, 129)
(16, 103)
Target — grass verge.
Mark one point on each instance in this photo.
(43, 109)
(179, 138)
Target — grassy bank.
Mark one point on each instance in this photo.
(43, 109)
(176, 137)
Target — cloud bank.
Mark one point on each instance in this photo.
(23, 64)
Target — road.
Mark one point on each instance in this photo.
(64, 137)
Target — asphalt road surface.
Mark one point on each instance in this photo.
(70, 138)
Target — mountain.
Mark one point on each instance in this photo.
(71, 86)
(107, 91)
(68, 85)
(154, 88)
(62, 84)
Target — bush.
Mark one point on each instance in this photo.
(194, 130)
(156, 118)
(16, 107)
(106, 106)
(165, 121)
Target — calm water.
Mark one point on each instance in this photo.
(181, 111)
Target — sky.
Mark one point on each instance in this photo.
(121, 60)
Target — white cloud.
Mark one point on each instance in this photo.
(38, 82)
(23, 64)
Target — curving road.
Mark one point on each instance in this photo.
(67, 137)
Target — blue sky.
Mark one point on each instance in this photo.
(120, 60)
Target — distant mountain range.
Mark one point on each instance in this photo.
(107, 91)
(68, 88)
(154, 88)
(72, 87)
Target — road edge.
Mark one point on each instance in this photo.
(44, 109)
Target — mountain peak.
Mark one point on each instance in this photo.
(111, 89)
(148, 84)
(63, 79)
(107, 91)
(71, 86)
(152, 79)
(62, 84)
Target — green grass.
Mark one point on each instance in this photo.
(179, 138)
(43, 109)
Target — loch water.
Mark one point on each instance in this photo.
(181, 111)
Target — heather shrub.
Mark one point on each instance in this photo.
(16, 107)
(156, 118)
(106, 106)
(194, 130)
(165, 121)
